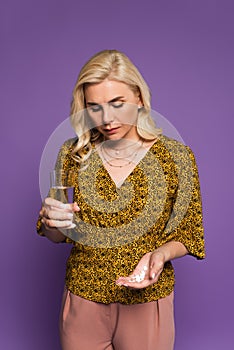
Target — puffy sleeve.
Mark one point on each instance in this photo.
(186, 222)
(64, 161)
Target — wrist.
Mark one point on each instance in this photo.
(53, 234)
(162, 254)
(172, 250)
(48, 228)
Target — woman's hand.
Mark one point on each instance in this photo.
(56, 214)
(146, 273)
(150, 266)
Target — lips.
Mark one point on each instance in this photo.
(111, 131)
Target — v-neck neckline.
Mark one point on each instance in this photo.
(122, 182)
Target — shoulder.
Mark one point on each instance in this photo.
(181, 154)
(65, 152)
(69, 143)
(171, 143)
(68, 146)
(175, 146)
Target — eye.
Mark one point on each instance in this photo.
(95, 108)
(117, 104)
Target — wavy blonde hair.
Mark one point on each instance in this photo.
(112, 65)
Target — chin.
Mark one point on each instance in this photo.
(113, 137)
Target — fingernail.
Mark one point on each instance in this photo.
(72, 225)
(153, 275)
(70, 215)
(69, 223)
(125, 285)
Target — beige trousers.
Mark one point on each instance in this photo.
(87, 325)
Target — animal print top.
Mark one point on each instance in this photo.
(157, 203)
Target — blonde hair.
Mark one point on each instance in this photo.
(112, 65)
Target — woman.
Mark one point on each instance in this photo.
(137, 207)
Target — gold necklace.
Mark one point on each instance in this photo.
(123, 165)
(117, 151)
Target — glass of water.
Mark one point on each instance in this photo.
(62, 187)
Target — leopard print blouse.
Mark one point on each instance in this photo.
(158, 202)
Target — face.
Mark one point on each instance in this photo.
(113, 108)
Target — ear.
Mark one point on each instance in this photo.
(139, 103)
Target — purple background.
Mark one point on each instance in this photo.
(185, 51)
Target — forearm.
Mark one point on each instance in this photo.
(172, 250)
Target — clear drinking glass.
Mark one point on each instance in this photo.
(62, 187)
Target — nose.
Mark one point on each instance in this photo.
(107, 115)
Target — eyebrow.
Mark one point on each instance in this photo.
(113, 100)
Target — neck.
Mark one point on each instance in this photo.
(122, 143)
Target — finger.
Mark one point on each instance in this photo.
(155, 270)
(75, 207)
(58, 223)
(123, 281)
(44, 212)
(55, 203)
(138, 285)
(59, 215)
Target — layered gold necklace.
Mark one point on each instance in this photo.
(109, 154)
